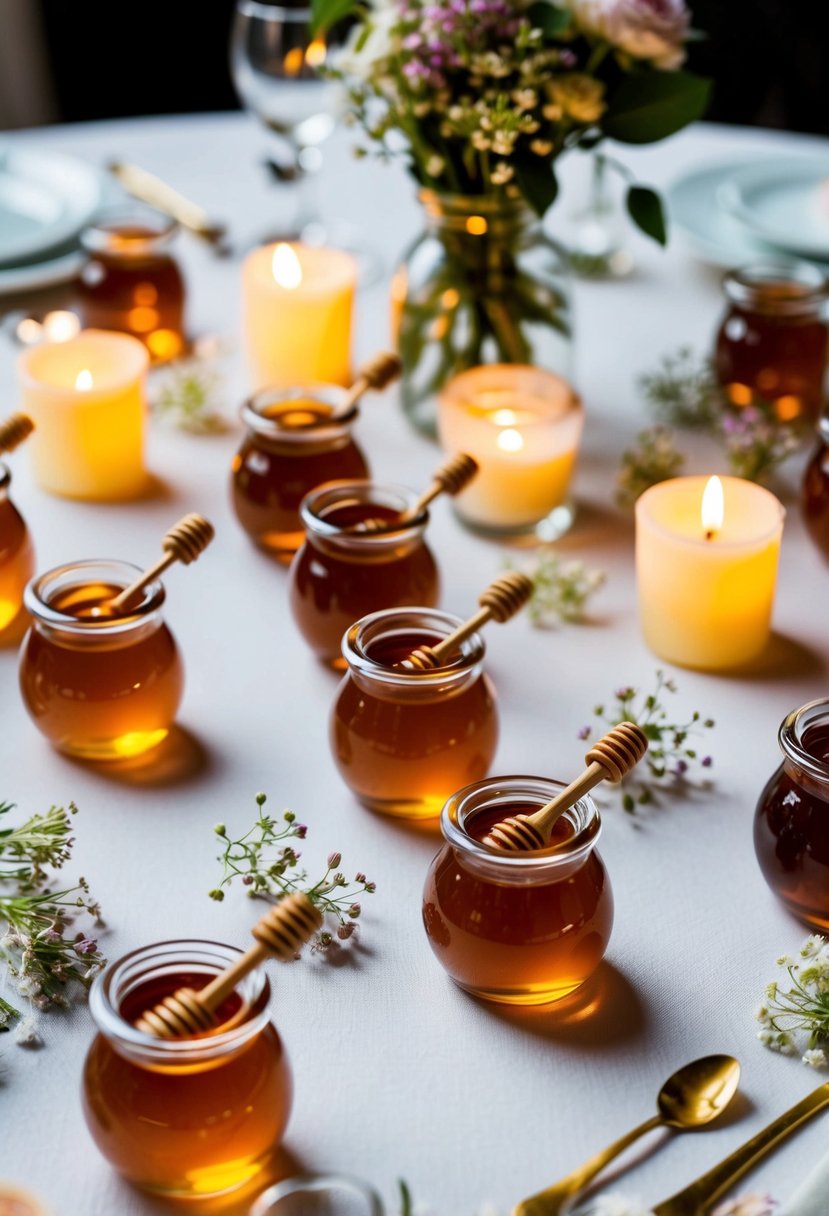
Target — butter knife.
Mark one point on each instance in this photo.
(696, 1198)
(157, 193)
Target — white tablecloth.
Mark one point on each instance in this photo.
(398, 1073)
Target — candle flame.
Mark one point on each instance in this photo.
(286, 267)
(510, 441)
(713, 507)
(83, 380)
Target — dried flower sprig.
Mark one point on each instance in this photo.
(561, 589)
(756, 442)
(655, 458)
(794, 1020)
(670, 758)
(187, 394)
(683, 391)
(267, 864)
(42, 954)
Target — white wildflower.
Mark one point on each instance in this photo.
(501, 174)
(644, 29)
(815, 1057)
(25, 1033)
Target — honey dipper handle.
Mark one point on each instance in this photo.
(376, 373)
(450, 644)
(218, 990)
(544, 819)
(183, 543)
(126, 596)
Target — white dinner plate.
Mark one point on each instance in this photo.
(31, 275)
(45, 200)
(783, 200)
(716, 235)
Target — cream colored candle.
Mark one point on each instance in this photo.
(297, 306)
(706, 580)
(523, 426)
(86, 397)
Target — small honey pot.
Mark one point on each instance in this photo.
(365, 550)
(404, 735)
(298, 438)
(100, 672)
(187, 1087)
(16, 551)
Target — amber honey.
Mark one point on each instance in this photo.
(291, 447)
(815, 492)
(339, 576)
(791, 826)
(190, 1117)
(772, 343)
(16, 556)
(403, 741)
(517, 928)
(132, 283)
(98, 684)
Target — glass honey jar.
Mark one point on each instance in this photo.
(16, 557)
(404, 740)
(815, 492)
(791, 825)
(194, 1116)
(99, 685)
(772, 342)
(340, 575)
(292, 446)
(131, 282)
(517, 928)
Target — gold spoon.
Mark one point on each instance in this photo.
(691, 1098)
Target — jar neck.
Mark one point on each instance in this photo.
(553, 864)
(48, 600)
(375, 645)
(778, 289)
(130, 233)
(158, 969)
(484, 216)
(299, 418)
(329, 515)
(804, 741)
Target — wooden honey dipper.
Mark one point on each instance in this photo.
(280, 933)
(450, 478)
(610, 759)
(14, 430)
(500, 601)
(384, 368)
(183, 543)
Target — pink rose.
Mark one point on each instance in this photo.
(644, 29)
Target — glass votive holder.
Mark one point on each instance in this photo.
(772, 342)
(523, 426)
(86, 398)
(319, 1195)
(98, 685)
(404, 740)
(184, 1117)
(791, 824)
(291, 446)
(16, 555)
(131, 282)
(517, 928)
(340, 575)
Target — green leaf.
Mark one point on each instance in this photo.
(537, 182)
(652, 105)
(645, 209)
(324, 13)
(548, 18)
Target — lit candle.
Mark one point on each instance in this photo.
(298, 302)
(706, 562)
(523, 426)
(86, 396)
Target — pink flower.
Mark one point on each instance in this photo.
(644, 29)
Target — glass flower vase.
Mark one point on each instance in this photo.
(484, 283)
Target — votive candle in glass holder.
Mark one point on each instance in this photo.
(706, 564)
(86, 398)
(523, 426)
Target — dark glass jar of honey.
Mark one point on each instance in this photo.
(815, 492)
(791, 826)
(131, 282)
(99, 685)
(517, 928)
(340, 574)
(16, 557)
(772, 343)
(291, 447)
(404, 740)
(188, 1117)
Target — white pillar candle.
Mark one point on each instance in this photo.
(297, 305)
(706, 580)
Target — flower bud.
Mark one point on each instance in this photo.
(334, 860)
(220, 829)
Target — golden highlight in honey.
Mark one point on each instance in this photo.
(16, 556)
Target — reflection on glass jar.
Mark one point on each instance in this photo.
(319, 1195)
(771, 346)
(98, 684)
(290, 448)
(815, 492)
(131, 282)
(187, 1117)
(16, 555)
(404, 740)
(340, 574)
(791, 826)
(517, 928)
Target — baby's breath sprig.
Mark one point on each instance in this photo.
(655, 458)
(561, 589)
(794, 1019)
(683, 391)
(187, 394)
(267, 864)
(670, 758)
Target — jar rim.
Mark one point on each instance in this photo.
(747, 285)
(5, 476)
(583, 816)
(105, 235)
(275, 427)
(341, 493)
(376, 625)
(36, 596)
(790, 738)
